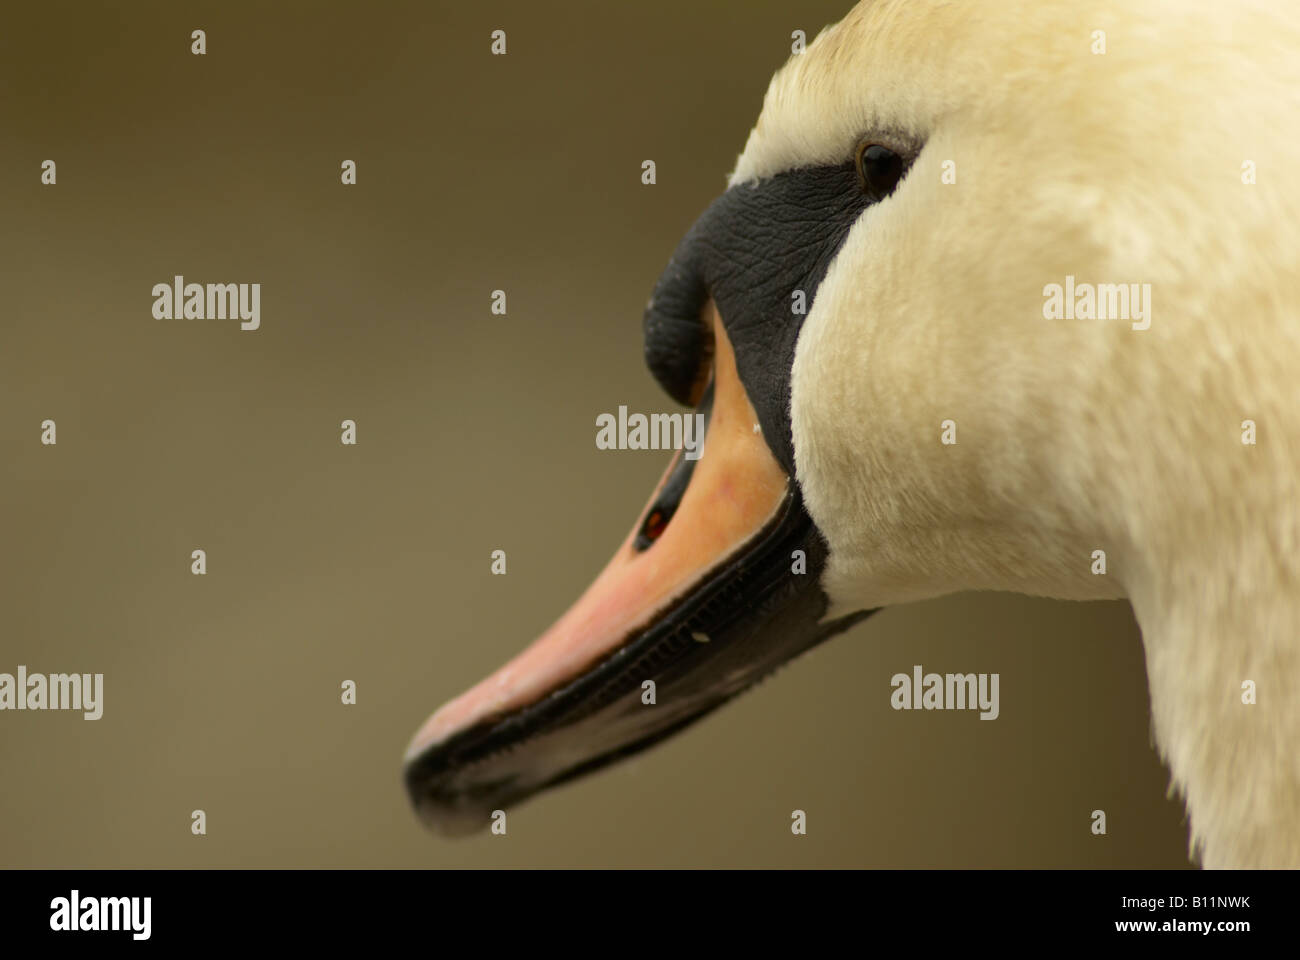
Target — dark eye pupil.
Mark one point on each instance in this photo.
(880, 169)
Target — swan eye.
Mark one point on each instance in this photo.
(879, 169)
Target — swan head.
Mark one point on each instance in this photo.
(863, 316)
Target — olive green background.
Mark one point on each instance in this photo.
(476, 432)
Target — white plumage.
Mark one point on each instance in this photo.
(1044, 158)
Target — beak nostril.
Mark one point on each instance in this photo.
(655, 524)
(670, 495)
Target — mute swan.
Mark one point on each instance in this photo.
(1063, 236)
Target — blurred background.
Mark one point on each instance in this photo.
(475, 432)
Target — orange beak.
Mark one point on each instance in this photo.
(671, 628)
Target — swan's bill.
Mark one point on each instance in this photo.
(692, 609)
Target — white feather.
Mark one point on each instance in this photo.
(1073, 435)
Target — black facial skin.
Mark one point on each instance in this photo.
(750, 250)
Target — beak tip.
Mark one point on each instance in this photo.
(444, 811)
